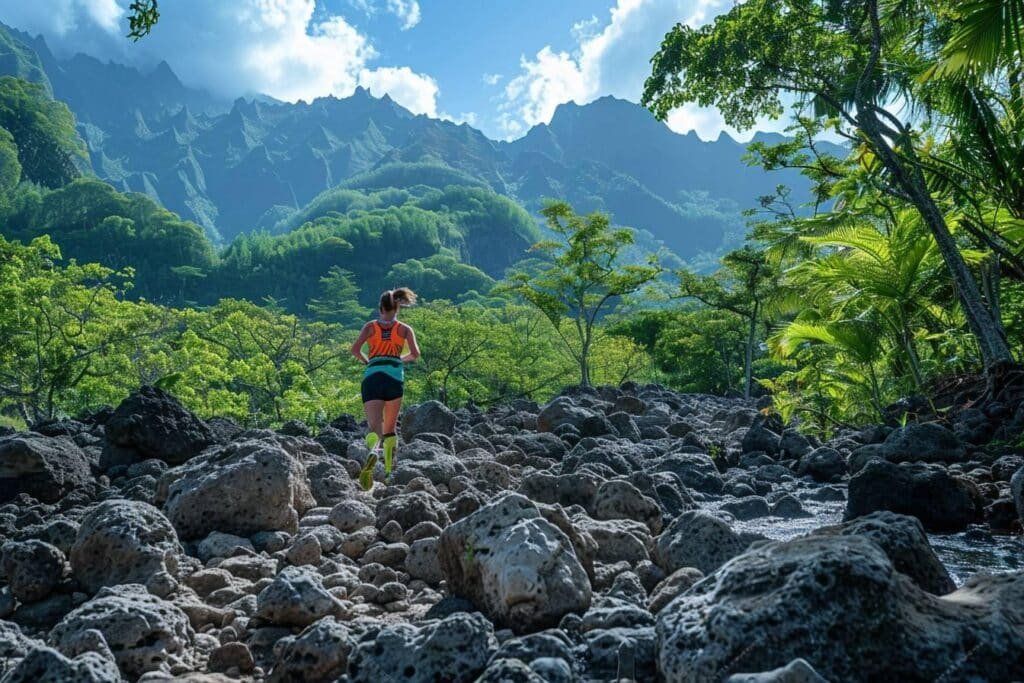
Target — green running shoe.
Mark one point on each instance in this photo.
(372, 439)
(390, 441)
(366, 474)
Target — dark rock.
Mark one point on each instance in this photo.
(760, 438)
(432, 416)
(122, 541)
(46, 468)
(903, 539)
(942, 502)
(797, 671)
(45, 665)
(822, 464)
(1017, 491)
(923, 442)
(697, 539)
(839, 603)
(747, 508)
(156, 425)
(33, 569)
(455, 649)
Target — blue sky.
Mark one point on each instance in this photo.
(500, 65)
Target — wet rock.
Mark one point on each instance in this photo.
(839, 603)
(903, 539)
(155, 424)
(433, 417)
(697, 539)
(32, 569)
(517, 567)
(241, 488)
(941, 501)
(144, 632)
(45, 665)
(123, 542)
(296, 597)
(1006, 466)
(822, 464)
(46, 468)
(454, 649)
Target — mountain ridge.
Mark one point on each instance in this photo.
(227, 165)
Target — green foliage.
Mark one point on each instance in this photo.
(586, 277)
(339, 302)
(10, 167)
(142, 17)
(43, 130)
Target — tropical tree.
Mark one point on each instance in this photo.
(744, 286)
(586, 277)
(849, 63)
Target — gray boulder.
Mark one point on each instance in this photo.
(45, 665)
(241, 488)
(320, 653)
(697, 539)
(46, 468)
(561, 411)
(409, 509)
(430, 417)
(618, 499)
(32, 568)
(455, 649)
(156, 425)
(297, 597)
(125, 541)
(517, 567)
(144, 632)
(839, 603)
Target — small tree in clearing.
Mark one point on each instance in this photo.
(585, 277)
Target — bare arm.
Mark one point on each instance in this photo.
(357, 346)
(414, 348)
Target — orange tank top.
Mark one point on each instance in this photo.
(386, 340)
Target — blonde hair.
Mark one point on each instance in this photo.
(392, 299)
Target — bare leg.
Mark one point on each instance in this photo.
(374, 416)
(390, 416)
(390, 419)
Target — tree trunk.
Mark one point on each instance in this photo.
(995, 352)
(748, 361)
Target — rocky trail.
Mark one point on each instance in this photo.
(615, 533)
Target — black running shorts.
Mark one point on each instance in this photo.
(379, 386)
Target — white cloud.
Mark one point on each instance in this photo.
(609, 60)
(407, 11)
(492, 79)
(416, 92)
(468, 117)
(283, 48)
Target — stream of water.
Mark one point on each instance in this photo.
(964, 554)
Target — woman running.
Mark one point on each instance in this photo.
(384, 377)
